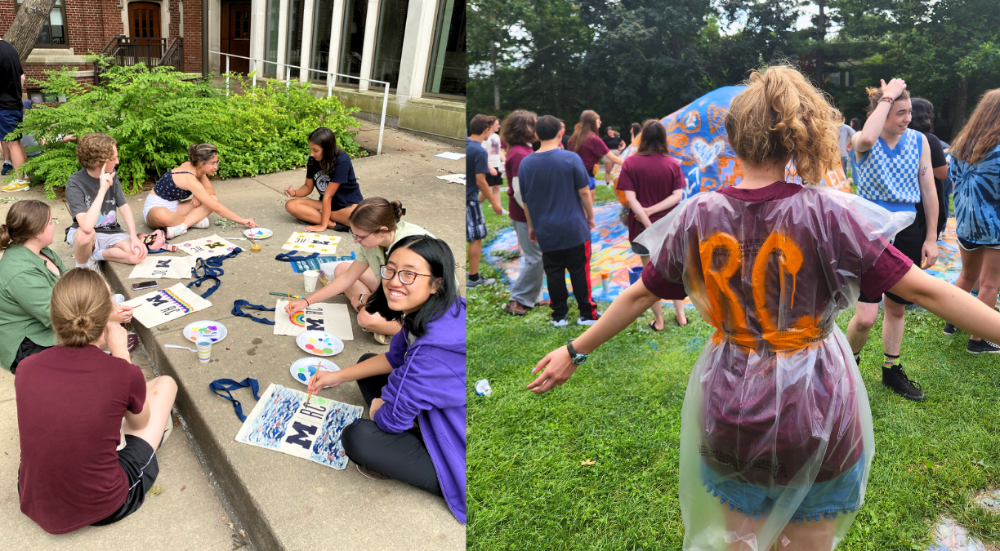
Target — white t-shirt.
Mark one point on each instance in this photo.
(492, 147)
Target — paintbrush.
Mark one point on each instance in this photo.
(277, 294)
(313, 380)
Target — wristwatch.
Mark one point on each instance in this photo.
(576, 357)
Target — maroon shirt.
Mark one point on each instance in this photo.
(591, 152)
(70, 405)
(514, 157)
(653, 178)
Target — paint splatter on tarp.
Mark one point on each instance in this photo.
(282, 421)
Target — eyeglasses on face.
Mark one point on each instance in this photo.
(406, 277)
(360, 238)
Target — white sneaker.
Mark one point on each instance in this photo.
(16, 185)
(202, 224)
(174, 231)
(559, 323)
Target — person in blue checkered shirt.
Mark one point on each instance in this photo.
(892, 168)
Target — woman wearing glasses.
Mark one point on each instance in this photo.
(376, 225)
(415, 391)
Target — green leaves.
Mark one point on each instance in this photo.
(155, 114)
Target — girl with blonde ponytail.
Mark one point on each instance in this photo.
(71, 400)
(776, 432)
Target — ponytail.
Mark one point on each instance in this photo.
(25, 220)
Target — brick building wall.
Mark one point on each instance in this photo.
(91, 24)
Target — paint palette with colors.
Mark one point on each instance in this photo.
(258, 233)
(303, 369)
(320, 343)
(199, 330)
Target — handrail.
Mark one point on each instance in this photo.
(176, 44)
(329, 83)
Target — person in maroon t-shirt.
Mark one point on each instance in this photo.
(775, 427)
(71, 400)
(591, 148)
(519, 133)
(653, 185)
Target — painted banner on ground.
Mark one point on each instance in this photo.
(332, 318)
(207, 247)
(282, 421)
(696, 137)
(166, 305)
(169, 267)
(312, 243)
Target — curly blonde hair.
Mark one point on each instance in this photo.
(95, 149)
(782, 116)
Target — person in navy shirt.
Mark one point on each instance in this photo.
(476, 168)
(560, 213)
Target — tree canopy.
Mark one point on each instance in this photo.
(636, 59)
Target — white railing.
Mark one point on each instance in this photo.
(330, 77)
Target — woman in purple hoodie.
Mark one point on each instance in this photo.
(416, 390)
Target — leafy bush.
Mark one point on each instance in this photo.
(155, 114)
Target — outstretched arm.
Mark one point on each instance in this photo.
(557, 368)
(949, 302)
(195, 186)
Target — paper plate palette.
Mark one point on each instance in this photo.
(211, 330)
(304, 368)
(319, 343)
(258, 233)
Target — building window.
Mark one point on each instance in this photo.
(271, 40)
(293, 49)
(389, 40)
(322, 21)
(352, 40)
(53, 33)
(446, 74)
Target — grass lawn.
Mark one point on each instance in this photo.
(527, 488)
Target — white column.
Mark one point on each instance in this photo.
(124, 7)
(307, 33)
(417, 40)
(165, 20)
(215, 36)
(282, 38)
(336, 37)
(368, 50)
(258, 34)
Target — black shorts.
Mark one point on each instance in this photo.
(494, 181)
(639, 249)
(970, 246)
(910, 242)
(27, 348)
(141, 468)
(475, 224)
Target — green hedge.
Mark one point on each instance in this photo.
(155, 114)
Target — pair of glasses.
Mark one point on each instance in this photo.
(406, 277)
(360, 238)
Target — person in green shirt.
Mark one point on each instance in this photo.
(376, 225)
(28, 272)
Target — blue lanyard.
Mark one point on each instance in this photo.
(238, 311)
(227, 385)
(290, 257)
(211, 269)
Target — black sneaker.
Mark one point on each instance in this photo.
(982, 347)
(898, 382)
(337, 226)
(949, 329)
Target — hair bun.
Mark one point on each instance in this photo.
(398, 210)
(873, 93)
(82, 324)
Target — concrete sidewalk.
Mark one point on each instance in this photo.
(285, 502)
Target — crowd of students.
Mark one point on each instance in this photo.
(776, 432)
(90, 426)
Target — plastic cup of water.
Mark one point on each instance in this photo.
(311, 276)
(483, 387)
(204, 350)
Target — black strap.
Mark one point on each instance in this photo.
(211, 269)
(290, 257)
(227, 385)
(239, 304)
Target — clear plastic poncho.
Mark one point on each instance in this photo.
(776, 430)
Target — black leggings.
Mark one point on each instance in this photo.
(402, 456)
(27, 348)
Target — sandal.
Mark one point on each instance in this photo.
(679, 323)
(652, 325)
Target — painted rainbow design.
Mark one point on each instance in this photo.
(187, 307)
(299, 319)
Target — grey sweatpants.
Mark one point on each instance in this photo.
(528, 286)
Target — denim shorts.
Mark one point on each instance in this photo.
(9, 119)
(841, 494)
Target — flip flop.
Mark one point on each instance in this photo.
(679, 323)
(652, 325)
